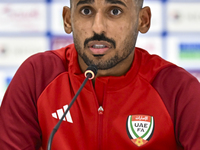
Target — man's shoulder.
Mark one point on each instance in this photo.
(58, 57)
(151, 59)
(150, 64)
(65, 52)
(154, 63)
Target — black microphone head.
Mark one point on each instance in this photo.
(91, 71)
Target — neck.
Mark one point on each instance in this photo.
(120, 69)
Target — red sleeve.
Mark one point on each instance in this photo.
(19, 127)
(180, 93)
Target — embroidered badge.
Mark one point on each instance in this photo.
(140, 128)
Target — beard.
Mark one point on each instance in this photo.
(127, 49)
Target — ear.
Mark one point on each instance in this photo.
(67, 19)
(144, 19)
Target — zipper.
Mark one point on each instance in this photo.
(100, 110)
(100, 123)
(100, 127)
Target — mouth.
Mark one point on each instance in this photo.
(99, 48)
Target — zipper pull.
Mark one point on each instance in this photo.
(100, 110)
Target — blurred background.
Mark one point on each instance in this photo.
(31, 26)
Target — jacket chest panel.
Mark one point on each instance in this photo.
(112, 129)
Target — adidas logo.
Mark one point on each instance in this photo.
(59, 113)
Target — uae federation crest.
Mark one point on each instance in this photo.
(140, 128)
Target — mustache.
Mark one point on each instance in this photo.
(100, 37)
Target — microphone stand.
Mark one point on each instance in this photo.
(89, 75)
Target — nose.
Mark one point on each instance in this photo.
(99, 25)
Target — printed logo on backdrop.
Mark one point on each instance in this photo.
(179, 18)
(189, 51)
(25, 17)
(2, 50)
(140, 129)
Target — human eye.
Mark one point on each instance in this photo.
(86, 11)
(115, 12)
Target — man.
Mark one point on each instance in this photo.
(136, 101)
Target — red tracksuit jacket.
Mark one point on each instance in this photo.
(154, 106)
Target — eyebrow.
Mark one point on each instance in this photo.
(116, 2)
(85, 2)
(107, 1)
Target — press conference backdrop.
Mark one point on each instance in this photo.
(31, 26)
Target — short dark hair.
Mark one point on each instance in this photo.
(139, 3)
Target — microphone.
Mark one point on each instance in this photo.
(90, 73)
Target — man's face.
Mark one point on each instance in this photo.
(104, 31)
